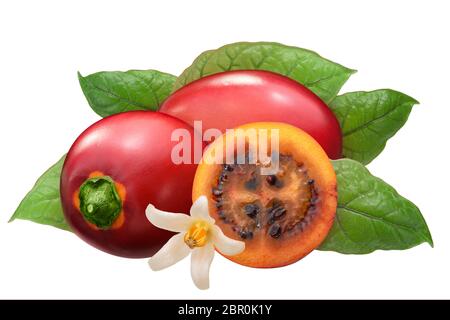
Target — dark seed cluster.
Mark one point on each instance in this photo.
(275, 216)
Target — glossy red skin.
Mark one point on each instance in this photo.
(229, 99)
(134, 149)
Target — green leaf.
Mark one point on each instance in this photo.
(43, 204)
(371, 215)
(324, 77)
(369, 119)
(115, 91)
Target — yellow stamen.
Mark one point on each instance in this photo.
(197, 235)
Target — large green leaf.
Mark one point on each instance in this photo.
(322, 76)
(371, 215)
(43, 204)
(115, 91)
(369, 119)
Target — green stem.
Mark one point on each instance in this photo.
(100, 202)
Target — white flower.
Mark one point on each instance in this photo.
(197, 234)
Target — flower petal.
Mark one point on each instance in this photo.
(200, 262)
(176, 222)
(200, 210)
(173, 251)
(224, 244)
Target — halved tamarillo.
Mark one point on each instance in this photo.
(281, 215)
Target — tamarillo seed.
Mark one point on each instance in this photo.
(245, 234)
(251, 184)
(275, 230)
(224, 177)
(228, 167)
(280, 212)
(270, 218)
(221, 214)
(217, 192)
(251, 210)
(271, 180)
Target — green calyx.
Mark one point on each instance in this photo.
(100, 202)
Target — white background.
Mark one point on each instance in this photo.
(402, 45)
